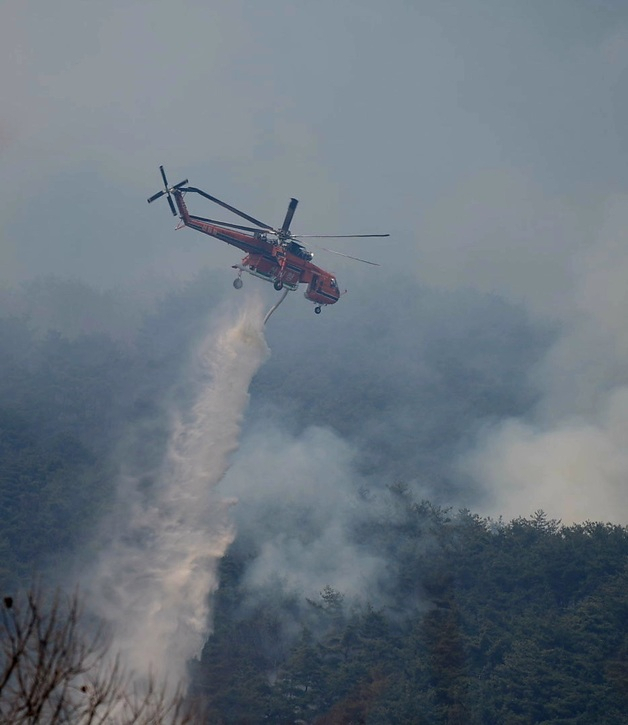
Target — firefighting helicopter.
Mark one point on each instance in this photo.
(275, 255)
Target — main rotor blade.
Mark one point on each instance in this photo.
(289, 214)
(357, 259)
(226, 224)
(156, 196)
(180, 184)
(335, 236)
(172, 209)
(163, 176)
(251, 219)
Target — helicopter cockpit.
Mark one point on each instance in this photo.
(299, 251)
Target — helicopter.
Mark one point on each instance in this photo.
(274, 255)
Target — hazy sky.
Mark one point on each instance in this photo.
(485, 136)
(489, 137)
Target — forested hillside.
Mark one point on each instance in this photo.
(81, 398)
(85, 390)
(59, 403)
(361, 587)
(525, 622)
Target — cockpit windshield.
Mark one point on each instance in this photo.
(300, 251)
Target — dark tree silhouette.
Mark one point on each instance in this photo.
(51, 671)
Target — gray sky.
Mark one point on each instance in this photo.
(489, 137)
(484, 135)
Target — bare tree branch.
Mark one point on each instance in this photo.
(52, 671)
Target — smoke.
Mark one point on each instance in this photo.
(299, 503)
(363, 398)
(575, 471)
(568, 455)
(158, 568)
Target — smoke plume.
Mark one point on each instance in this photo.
(567, 456)
(158, 569)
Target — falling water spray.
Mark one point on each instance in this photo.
(154, 581)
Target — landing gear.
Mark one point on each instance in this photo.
(278, 285)
(237, 283)
(317, 310)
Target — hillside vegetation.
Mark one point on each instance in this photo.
(463, 620)
(524, 622)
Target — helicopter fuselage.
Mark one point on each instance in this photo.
(285, 264)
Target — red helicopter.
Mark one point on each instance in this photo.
(274, 255)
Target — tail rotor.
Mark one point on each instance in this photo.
(167, 191)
